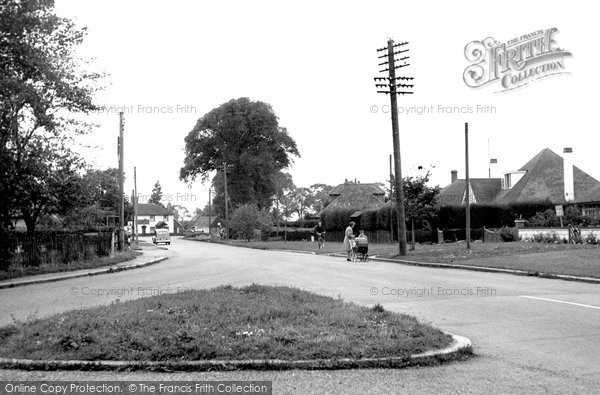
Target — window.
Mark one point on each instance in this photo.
(152, 218)
(165, 217)
(507, 181)
(591, 212)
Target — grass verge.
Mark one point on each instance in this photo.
(254, 322)
(20, 271)
(581, 260)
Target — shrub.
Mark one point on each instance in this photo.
(246, 218)
(508, 234)
(591, 238)
(544, 219)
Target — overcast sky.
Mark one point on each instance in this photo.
(314, 62)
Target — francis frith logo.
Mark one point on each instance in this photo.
(516, 62)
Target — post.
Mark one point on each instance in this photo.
(226, 198)
(396, 141)
(467, 190)
(391, 196)
(209, 212)
(412, 231)
(121, 187)
(135, 202)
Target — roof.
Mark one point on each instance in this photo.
(484, 190)
(357, 196)
(353, 187)
(544, 180)
(593, 195)
(202, 221)
(152, 209)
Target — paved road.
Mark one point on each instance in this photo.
(529, 334)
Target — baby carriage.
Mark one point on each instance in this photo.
(362, 249)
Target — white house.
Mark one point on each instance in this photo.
(150, 214)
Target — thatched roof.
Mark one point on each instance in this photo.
(355, 195)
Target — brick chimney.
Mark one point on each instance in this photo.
(568, 174)
(453, 175)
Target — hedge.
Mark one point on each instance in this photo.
(448, 217)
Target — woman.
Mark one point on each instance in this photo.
(349, 235)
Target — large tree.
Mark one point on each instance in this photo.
(42, 84)
(419, 199)
(244, 137)
(156, 195)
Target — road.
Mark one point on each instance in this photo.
(530, 335)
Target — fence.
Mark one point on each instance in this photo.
(55, 248)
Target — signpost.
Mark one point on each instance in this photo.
(559, 213)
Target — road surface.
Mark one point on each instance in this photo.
(529, 334)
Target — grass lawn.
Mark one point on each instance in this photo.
(569, 259)
(20, 271)
(254, 322)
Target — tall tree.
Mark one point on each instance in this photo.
(42, 85)
(245, 136)
(319, 197)
(420, 199)
(156, 195)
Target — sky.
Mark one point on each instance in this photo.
(169, 63)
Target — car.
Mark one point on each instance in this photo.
(161, 236)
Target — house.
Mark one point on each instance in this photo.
(200, 225)
(589, 202)
(178, 227)
(356, 196)
(546, 176)
(149, 215)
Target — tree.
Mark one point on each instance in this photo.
(319, 197)
(99, 198)
(244, 136)
(48, 185)
(301, 201)
(42, 85)
(420, 199)
(156, 195)
(247, 218)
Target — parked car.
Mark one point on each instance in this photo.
(161, 236)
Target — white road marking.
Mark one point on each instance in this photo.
(561, 301)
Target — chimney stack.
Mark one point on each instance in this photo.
(453, 175)
(492, 168)
(568, 174)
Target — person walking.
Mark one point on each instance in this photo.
(349, 239)
(319, 233)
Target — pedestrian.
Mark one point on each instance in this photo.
(349, 239)
(319, 232)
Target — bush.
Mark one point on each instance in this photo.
(547, 218)
(548, 238)
(508, 234)
(591, 238)
(246, 218)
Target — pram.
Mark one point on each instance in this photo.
(362, 249)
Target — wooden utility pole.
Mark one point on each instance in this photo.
(391, 196)
(393, 91)
(135, 202)
(226, 198)
(209, 212)
(121, 231)
(467, 188)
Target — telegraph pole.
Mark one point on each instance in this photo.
(121, 187)
(226, 198)
(467, 188)
(209, 212)
(391, 89)
(391, 195)
(135, 201)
